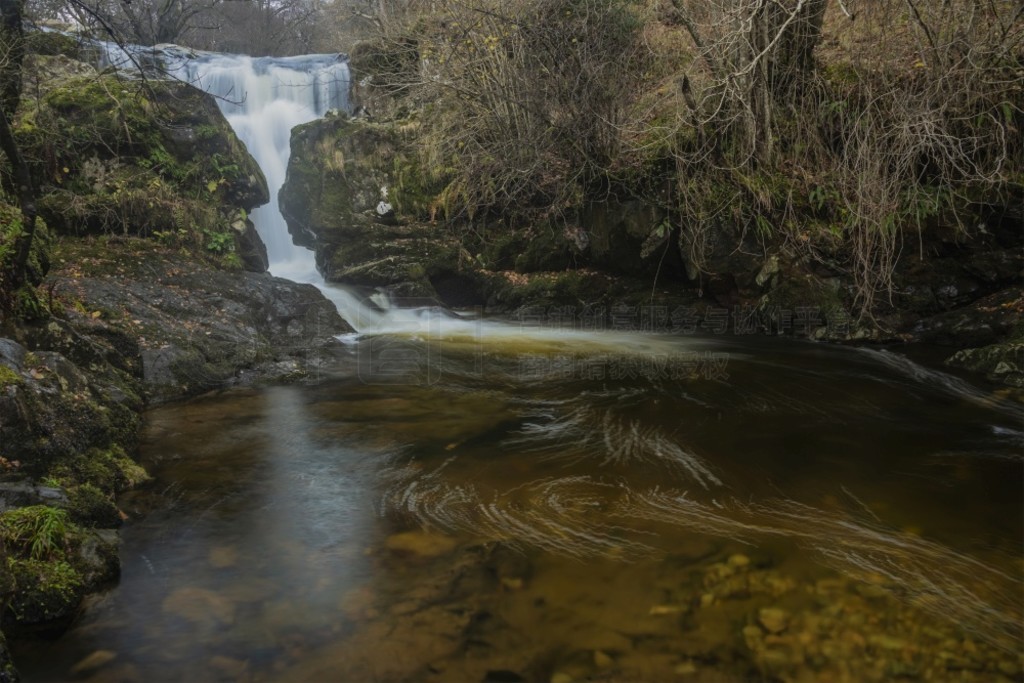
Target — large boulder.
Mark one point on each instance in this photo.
(193, 328)
(51, 410)
(1002, 363)
(341, 180)
(355, 195)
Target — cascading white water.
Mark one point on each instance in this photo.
(263, 99)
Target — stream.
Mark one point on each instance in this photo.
(803, 512)
(475, 500)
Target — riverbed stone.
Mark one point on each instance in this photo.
(223, 556)
(738, 560)
(230, 667)
(685, 669)
(773, 619)
(251, 589)
(91, 663)
(200, 606)
(420, 543)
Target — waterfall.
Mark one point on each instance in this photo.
(263, 99)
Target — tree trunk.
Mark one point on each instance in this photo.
(26, 199)
(12, 45)
(782, 39)
(12, 38)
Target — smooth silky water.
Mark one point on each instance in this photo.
(492, 516)
(467, 500)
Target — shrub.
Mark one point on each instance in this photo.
(527, 100)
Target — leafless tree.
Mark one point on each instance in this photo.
(907, 105)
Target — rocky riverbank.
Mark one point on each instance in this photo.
(356, 194)
(148, 285)
(138, 324)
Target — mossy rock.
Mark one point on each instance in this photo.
(58, 413)
(342, 169)
(90, 507)
(47, 596)
(53, 43)
(9, 377)
(53, 563)
(156, 159)
(108, 470)
(337, 174)
(1001, 363)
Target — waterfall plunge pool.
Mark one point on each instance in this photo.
(817, 513)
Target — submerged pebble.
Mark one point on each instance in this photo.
(773, 619)
(421, 543)
(199, 605)
(222, 557)
(92, 662)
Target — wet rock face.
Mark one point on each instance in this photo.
(339, 173)
(354, 196)
(50, 409)
(197, 328)
(1003, 363)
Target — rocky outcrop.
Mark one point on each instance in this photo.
(184, 328)
(1002, 363)
(993, 328)
(137, 295)
(357, 195)
(113, 155)
(352, 196)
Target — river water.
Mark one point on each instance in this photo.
(547, 506)
(467, 500)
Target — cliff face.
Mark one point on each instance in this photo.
(354, 194)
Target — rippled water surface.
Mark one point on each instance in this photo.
(566, 509)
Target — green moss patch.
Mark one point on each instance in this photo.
(108, 470)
